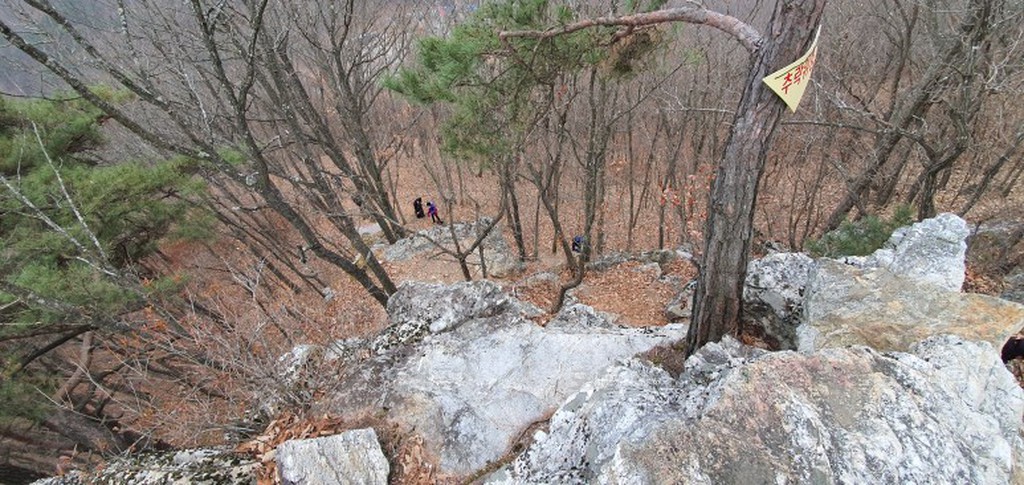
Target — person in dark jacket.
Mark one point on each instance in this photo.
(417, 207)
(577, 244)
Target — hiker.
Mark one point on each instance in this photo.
(577, 244)
(432, 210)
(417, 207)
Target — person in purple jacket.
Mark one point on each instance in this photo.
(432, 212)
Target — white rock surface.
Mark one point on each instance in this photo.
(931, 251)
(949, 413)
(773, 295)
(487, 372)
(847, 306)
(350, 458)
(806, 304)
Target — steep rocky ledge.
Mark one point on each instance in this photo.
(888, 374)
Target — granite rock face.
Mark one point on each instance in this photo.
(901, 294)
(419, 309)
(773, 295)
(350, 458)
(846, 306)
(478, 371)
(947, 413)
(680, 307)
(932, 251)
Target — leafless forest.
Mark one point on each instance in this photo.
(303, 149)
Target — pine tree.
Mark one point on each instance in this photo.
(74, 230)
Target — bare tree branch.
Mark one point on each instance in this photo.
(693, 14)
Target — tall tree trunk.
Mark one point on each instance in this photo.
(731, 210)
(515, 222)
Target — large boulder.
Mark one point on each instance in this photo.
(846, 305)
(499, 257)
(476, 371)
(680, 307)
(880, 300)
(350, 458)
(419, 309)
(948, 413)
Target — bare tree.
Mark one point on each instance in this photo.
(730, 222)
(275, 99)
(947, 61)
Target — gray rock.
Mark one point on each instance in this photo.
(353, 457)
(542, 278)
(208, 466)
(773, 296)
(421, 308)
(579, 317)
(1014, 290)
(931, 251)
(680, 307)
(369, 229)
(949, 413)
(299, 373)
(497, 254)
(656, 256)
(470, 389)
(293, 364)
(927, 256)
(846, 306)
(653, 270)
(346, 350)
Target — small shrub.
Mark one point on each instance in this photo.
(859, 238)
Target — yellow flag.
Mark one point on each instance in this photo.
(791, 81)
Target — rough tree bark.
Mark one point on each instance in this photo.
(731, 211)
(718, 298)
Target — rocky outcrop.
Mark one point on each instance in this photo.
(680, 307)
(773, 296)
(930, 252)
(350, 458)
(897, 381)
(846, 306)
(899, 295)
(353, 457)
(500, 259)
(419, 309)
(475, 371)
(947, 413)
(198, 466)
(657, 256)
